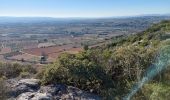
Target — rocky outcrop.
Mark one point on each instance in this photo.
(18, 87)
(29, 89)
(34, 96)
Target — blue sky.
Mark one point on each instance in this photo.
(83, 8)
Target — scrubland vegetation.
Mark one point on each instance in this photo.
(109, 70)
(15, 70)
(112, 69)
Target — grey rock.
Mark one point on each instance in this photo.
(54, 89)
(30, 89)
(22, 86)
(34, 83)
(34, 96)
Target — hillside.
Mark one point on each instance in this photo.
(111, 70)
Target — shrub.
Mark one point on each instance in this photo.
(14, 70)
(109, 70)
(24, 75)
(3, 90)
(154, 91)
(100, 71)
(80, 73)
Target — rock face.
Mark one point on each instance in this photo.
(29, 89)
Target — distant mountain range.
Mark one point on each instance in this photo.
(7, 19)
(28, 19)
(47, 25)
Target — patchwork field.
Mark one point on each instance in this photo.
(51, 52)
(5, 50)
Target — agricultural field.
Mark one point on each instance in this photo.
(47, 50)
(29, 48)
(53, 51)
(5, 50)
(30, 42)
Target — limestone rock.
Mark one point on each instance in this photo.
(30, 89)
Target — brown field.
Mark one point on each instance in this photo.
(5, 50)
(2, 59)
(74, 50)
(23, 56)
(28, 57)
(34, 54)
(47, 50)
(71, 51)
(52, 52)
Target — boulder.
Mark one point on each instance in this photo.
(22, 86)
(30, 89)
(34, 96)
(54, 89)
(34, 83)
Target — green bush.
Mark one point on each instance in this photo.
(14, 70)
(78, 72)
(100, 71)
(24, 75)
(154, 91)
(3, 90)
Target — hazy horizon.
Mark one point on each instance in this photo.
(167, 14)
(82, 8)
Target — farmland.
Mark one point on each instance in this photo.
(52, 52)
(30, 49)
(30, 42)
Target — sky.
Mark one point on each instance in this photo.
(82, 8)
